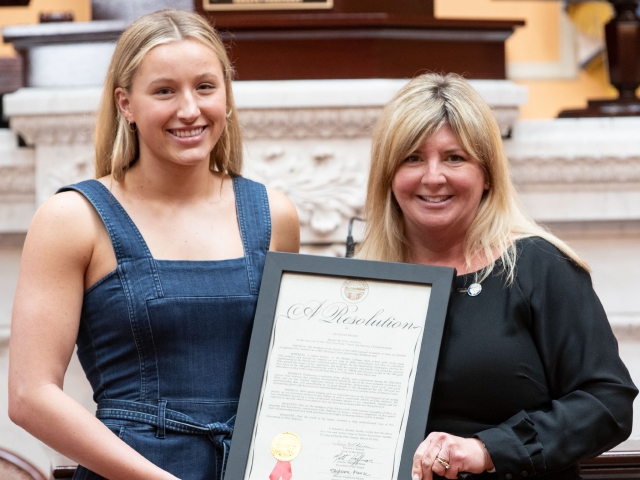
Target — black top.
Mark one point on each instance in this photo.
(532, 369)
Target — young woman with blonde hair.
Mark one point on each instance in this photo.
(153, 269)
(529, 380)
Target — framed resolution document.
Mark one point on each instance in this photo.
(340, 370)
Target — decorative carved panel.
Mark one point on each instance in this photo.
(55, 129)
(563, 170)
(325, 180)
(308, 123)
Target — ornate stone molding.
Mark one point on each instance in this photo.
(565, 170)
(575, 151)
(61, 129)
(327, 184)
(73, 163)
(308, 123)
(17, 179)
(506, 118)
(321, 123)
(17, 189)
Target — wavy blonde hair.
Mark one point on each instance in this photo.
(417, 111)
(116, 144)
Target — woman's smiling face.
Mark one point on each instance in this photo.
(439, 188)
(178, 102)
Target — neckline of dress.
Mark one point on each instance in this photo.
(145, 245)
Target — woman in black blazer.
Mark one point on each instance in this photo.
(529, 379)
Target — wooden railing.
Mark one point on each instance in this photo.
(65, 471)
(612, 466)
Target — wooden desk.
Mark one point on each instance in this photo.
(11, 74)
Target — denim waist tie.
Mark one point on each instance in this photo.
(165, 419)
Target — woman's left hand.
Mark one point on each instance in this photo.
(447, 455)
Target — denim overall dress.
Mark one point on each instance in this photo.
(164, 342)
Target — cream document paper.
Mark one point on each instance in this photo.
(339, 376)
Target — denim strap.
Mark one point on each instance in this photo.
(254, 219)
(127, 241)
(137, 270)
(162, 419)
(220, 434)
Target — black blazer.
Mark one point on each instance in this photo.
(532, 369)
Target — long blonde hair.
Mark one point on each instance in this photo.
(116, 143)
(419, 110)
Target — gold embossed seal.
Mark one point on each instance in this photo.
(354, 290)
(286, 446)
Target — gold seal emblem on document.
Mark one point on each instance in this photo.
(354, 290)
(286, 446)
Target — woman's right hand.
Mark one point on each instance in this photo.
(447, 455)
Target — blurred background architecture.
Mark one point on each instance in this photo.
(311, 85)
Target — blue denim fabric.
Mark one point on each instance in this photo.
(164, 343)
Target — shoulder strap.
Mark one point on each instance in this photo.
(254, 219)
(127, 241)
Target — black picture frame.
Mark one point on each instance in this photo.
(439, 278)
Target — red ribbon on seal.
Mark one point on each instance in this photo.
(281, 470)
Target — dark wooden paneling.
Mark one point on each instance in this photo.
(389, 6)
(63, 472)
(356, 6)
(361, 39)
(612, 466)
(14, 3)
(345, 57)
(473, 59)
(320, 21)
(11, 74)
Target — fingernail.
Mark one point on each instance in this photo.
(416, 477)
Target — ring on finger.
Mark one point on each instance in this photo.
(443, 462)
